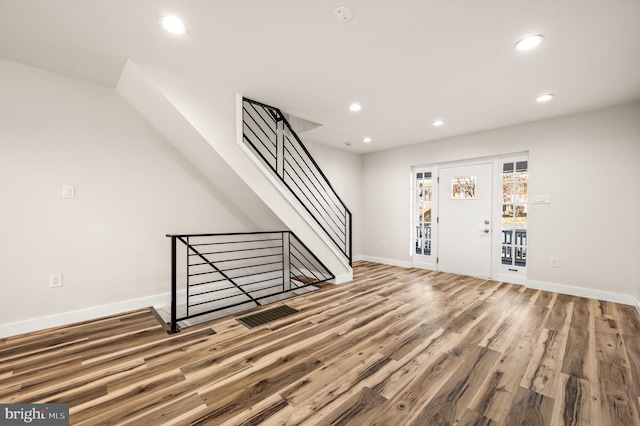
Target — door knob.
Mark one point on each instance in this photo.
(486, 222)
(486, 230)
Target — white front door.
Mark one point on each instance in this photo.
(464, 211)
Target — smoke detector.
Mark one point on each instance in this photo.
(342, 14)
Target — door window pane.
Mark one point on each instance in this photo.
(514, 213)
(463, 187)
(422, 213)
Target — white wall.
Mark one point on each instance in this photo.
(344, 170)
(132, 188)
(586, 162)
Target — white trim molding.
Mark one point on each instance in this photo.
(66, 318)
(608, 296)
(637, 305)
(344, 278)
(384, 261)
(511, 279)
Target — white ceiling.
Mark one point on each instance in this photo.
(407, 62)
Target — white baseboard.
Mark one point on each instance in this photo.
(511, 279)
(28, 326)
(344, 278)
(384, 261)
(625, 299)
(357, 257)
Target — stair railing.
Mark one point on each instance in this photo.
(214, 272)
(270, 136)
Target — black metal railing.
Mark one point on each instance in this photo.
(214, 272)
(270, 136)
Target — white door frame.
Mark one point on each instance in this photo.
(497, 272)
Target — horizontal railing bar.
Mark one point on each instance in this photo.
(258, 124)
(331, 196)
(255, 112)
(307, 209)
(210, 291)
(259, 152)
(269, 150)
(225, 234)
(271, 112)
(236, 269)
(217, 243)
(243, 276)
(192, 305)
(228, 297)
(239, 258)
(199, 314)
(300, 179)
(279, 277)
(279, 284)
(291, 159)
(286, 123)
(207, 282)
(213, 253)
(304, 246)
(260, 273)
(240, 294)
(246, 249)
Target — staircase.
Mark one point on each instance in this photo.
(270, 136)
(249, 151)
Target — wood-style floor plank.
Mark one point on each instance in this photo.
(396, 346)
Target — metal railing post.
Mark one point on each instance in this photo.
(286, 261)
(174, 286)
(349, 238)
(280, 148)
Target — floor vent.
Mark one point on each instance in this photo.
(267, 316)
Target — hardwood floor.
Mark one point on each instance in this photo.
(394, 347)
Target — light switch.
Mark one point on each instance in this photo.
(541, 199)
(68, 191)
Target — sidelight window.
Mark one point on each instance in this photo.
(422, 214)
(515, 177)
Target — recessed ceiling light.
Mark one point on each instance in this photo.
(438, 123)
(355, 107)
(529, 42)
(545, 98)
(173, 24)
(366, 140)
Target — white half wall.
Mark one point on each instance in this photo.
(132, 187)
(587, 162)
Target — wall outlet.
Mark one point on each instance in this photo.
(554, 262)
(383, 243)
(68, 191)
(55, 280)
